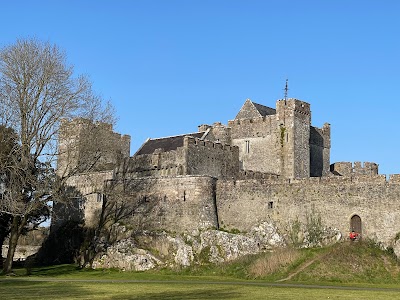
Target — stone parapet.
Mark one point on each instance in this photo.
(354, 169)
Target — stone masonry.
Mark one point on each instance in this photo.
(266, 165)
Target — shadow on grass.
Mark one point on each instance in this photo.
(224, 293)
(57, 270)
(25, 289)
(16, 289)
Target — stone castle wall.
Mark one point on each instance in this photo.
(320, 145)
(213, 159)
(175, 204)
(246, 203)
(196, 157)
(204, 182)
(258, 143)
(218, 133)
(187, 203)
(87, 191)
(354, 169)
(283, 142)
(85, 146)
(171, 163)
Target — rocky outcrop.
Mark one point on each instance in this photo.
(396, 247)
(22, 252)
(198, 247)
(165, 249)
(124, 255)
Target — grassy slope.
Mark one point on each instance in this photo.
(355, 263)
(342, 264)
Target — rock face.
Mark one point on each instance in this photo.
(267, 234)
(218, 246)
(198, 247)
(22, 252)
(124, 255)
(396, 248)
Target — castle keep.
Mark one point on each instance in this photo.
(279, 142)
(266, 165)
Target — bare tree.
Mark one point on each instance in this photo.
(118, 207)
(37, 91)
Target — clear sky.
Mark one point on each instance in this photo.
(171, 65)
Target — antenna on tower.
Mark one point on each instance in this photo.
(286, 90)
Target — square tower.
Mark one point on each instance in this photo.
(294, 121)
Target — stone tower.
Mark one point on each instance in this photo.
(88, 153)
(86, 146)
(280, 141)
(294, 121)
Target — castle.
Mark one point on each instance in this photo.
(266, 165)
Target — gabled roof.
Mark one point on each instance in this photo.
(251, 110)
(166, 143)
(264, 110)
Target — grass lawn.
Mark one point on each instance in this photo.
(11, 288)
(66, 282)
(340, 272)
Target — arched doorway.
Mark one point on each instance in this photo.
(355, 224)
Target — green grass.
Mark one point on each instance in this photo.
(343, 271)
(355, 263)
(239, 269)
(28, 289)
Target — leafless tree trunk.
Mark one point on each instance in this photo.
(118, 206)
(38, 91)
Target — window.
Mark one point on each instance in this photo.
(247, 146)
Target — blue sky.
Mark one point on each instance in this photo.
(169, 66)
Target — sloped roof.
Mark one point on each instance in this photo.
(264, 110)
(251, 110)
(166, 143)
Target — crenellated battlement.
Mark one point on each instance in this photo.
(264, 178)
(162, 171)
(194, 157)
(159, 162)
(294, 105)
(210, 158)
(248, 174)
(189, 140)
(394, 178)
(354, 169)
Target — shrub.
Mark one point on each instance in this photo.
(314, 228)
(294, 232)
